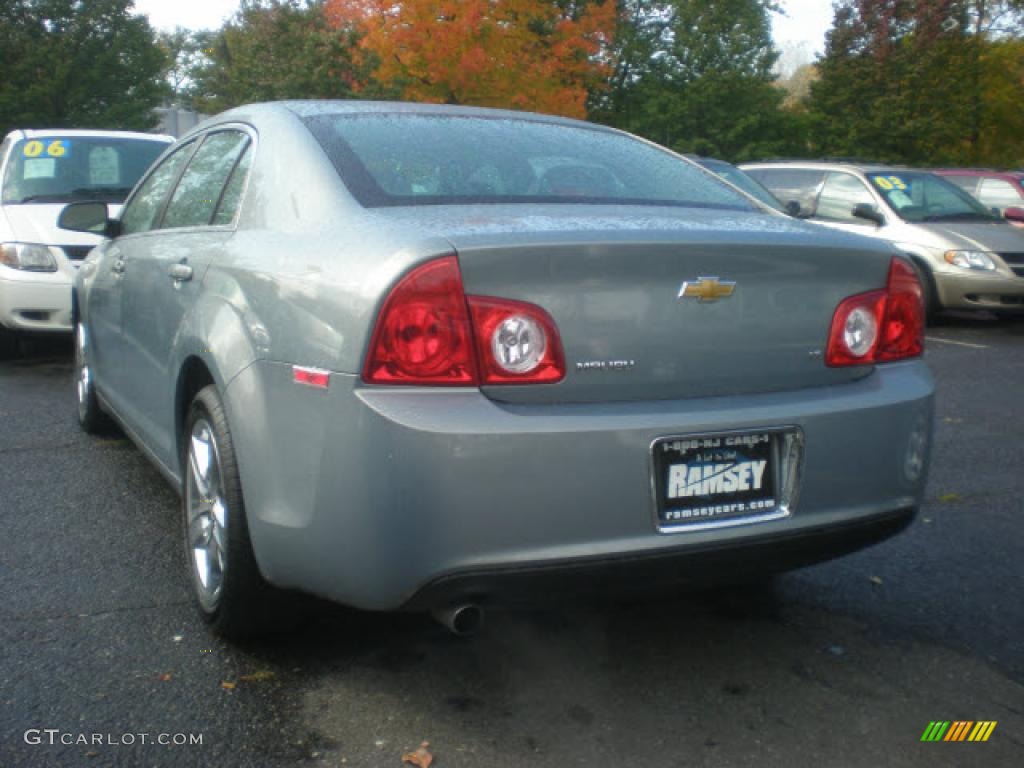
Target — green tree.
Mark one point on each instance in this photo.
(74, 64)
(697, 77)
(908, 81)
(276, 49)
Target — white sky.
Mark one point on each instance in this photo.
(806, 20)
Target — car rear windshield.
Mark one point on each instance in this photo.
(59, 169)
(415, 159)
(917, 196)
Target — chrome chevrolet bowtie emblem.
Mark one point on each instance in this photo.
(706, 289)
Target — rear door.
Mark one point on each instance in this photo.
(163, 278)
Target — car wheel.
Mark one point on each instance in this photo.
(90, 416)
(8, 343)
(928, 292)
(231, 594)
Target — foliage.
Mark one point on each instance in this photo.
(911, 81)
(697, 77)
(524, 54)
(69, 64)
(275, 49)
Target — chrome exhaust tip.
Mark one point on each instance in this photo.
(461, 620)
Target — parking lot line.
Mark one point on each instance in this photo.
(958, 343)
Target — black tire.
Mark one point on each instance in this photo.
(928, 292)
(243, 605)
(91, 417)
(8, 344)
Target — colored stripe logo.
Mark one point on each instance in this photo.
(958, 730)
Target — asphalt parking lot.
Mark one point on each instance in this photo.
(842, 664)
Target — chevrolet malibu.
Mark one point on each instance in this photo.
(437, 358)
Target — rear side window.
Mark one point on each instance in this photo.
(839, 195)
(197, 194)
(141, 211)
(996, 193)
(421, 159)
(799, 184)
(232, 197)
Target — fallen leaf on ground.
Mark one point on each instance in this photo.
(165, 677)
(948, 498)
(258, 676)
(228, 685)
(421, 757)
(876, 580)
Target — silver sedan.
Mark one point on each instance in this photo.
(436, 358)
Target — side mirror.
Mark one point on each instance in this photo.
(793, 208)
(1014, 214)
(90, 217)
(868, 212)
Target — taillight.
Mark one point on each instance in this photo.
(879, 326)
(423, 334)
(430, 333)
(516, 342)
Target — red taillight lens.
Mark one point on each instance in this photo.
(429, 333)
(879, 326)
(517, 343)
(423, 334)
(903, 329)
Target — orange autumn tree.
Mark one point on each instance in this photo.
(521, 54)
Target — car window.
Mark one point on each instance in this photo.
(417, 159)
(141, 211)
(919, 196)
(996, 193)
(232, 197)
(968, 184)
(60, 169)
(799, 184)
(839, 194)
(195, 198)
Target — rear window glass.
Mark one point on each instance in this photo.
(59, 169)
(410, 159)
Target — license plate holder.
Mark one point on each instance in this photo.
(713, 480)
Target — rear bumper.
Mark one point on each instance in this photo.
(980, 292)
(557, 582)
(33, 301)
(383, 498)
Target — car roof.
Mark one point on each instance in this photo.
(42, 133)
(820, 165)
(316, 107)
(980, 173)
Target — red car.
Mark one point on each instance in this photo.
(1001, 190)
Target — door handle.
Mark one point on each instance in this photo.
(180, 273)
(118, 267)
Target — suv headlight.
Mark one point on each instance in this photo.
(27, 256)
(971, 260)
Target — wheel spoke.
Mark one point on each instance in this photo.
(200, 456)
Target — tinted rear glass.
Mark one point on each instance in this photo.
(409, 159)
(58, 169)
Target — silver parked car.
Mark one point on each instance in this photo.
(427, 357)
(967, 257)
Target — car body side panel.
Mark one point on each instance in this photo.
(401, 486)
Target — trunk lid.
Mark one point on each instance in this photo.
(611, 278)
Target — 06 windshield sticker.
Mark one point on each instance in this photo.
(54, 148)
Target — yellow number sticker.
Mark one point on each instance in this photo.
(56, 148)
(898, 183)
(883, 183)
(33, 149)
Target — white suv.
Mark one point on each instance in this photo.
(42, 171)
